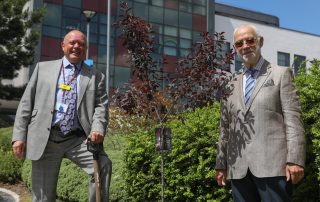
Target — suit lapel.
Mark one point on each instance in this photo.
(54, 71)
(85, 77)
(263, 75)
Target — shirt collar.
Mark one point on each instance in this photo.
(257, 67)
(67, 64)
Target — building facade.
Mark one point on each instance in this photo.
(177, 25)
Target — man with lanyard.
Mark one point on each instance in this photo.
(64, 106)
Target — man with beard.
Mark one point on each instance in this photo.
(262, 145)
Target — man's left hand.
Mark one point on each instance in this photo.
(294, 172)
(96, 137)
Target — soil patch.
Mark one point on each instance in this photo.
(19, 188)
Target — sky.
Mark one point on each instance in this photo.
(293, 14)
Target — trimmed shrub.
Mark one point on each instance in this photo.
(308, 84)
(10, 167)
(72, 182)
(188, 169)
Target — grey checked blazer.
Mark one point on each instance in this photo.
(35, 112)
(268, 133)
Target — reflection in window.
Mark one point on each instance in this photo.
(141, 10)
(69, 12)
(184, 33)
(142, 1)
(200, 2)
(185, 20)
(70, 24)
(187, 7)
(200, 10)
(102, 54)
(221, 52)
(237, 63)
(185, 43)
(171, 31)
(171, 17)
(169, 51)
(53, 15)
(184, 52)
(283, 59)
(122, 75)
(299, 61)
(74, 3)
(50, 31)
(156, 14)
(157, 2)
(170, 41)
(157, 28)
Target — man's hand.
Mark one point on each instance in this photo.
(96, 137)
(221, 176)
(294, 172)
(18, 148)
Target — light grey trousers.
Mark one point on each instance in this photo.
(45, 171)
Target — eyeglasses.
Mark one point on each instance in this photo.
(249, 41)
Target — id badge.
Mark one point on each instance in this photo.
(61, 107)
(64, 86)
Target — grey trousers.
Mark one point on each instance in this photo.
(45, 171)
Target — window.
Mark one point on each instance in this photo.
(283, 59)
(299, 61)
(141, 10)
(53, 15)
(169, 51)
(157, 2)
(74, 3)
(201, 10)
(171, 17)
(187, 7)
(184, 33)
(185, 20)
(221, 52)
(185, 43)
(156, 14)
(122, 75)
(237, 63)
(171, 31)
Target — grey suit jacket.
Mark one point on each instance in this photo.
(35, 112)
(265, 135)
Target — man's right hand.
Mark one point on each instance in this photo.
(221, 176)
(19, 148)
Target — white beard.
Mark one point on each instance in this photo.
(251, 57)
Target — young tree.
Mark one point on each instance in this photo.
(198, 80)
(17, 40)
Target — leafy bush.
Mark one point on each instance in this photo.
(308, 84)
(72, 182)
(10, 167)
(188, 169)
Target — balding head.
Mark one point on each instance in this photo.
(74, 46)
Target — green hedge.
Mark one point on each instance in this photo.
(188, 168)
(72, 182)
(10, 167)
(308, 84)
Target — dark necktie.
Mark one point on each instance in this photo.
(70, 98)
(250, 82)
